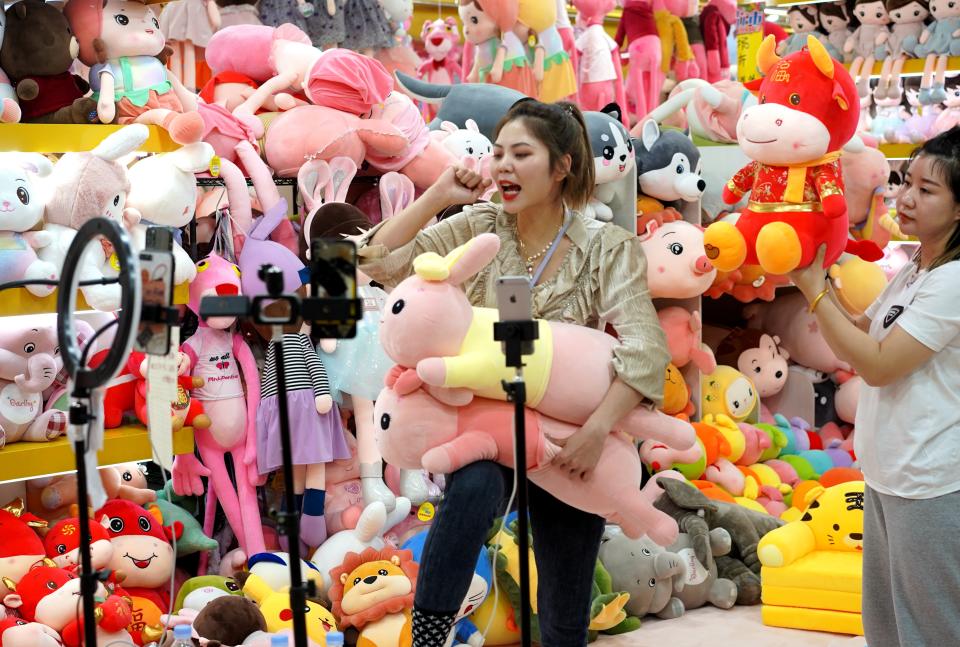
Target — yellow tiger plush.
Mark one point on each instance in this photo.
(833, 520)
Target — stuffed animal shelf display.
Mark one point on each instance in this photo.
(868, 42)
(937, 42)
(552, 68)
(909, 19)
(803, 22)
(29, 363)
(795, 135)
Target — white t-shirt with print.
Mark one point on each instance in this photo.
(908, 432)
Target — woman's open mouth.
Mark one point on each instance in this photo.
(509, 191)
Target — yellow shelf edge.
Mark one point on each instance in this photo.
(72, 138)
(25, 460)
(897, 151)
(17, 301)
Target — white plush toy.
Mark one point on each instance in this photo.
(373, 522)
(463, 142)
(163, 192)
(22, 201)
(87, 186)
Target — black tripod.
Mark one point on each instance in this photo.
(343, 310)
(517, 337)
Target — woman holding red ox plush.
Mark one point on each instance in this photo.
(581, 271)
(906, 347)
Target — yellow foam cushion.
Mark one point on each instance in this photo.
(840, 622)
(822, 569)
(788, 596)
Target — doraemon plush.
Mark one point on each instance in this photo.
(22, 202)
(668, 167)
(615, 194)
(480, 587)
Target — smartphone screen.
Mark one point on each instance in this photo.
(333, 275)
(514, 302)
(156, 278)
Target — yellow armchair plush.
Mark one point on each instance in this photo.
(812, 567)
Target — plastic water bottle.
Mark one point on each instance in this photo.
(334, 639)
(278, 640)
(182, 636)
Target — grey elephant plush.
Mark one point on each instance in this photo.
(648, 572)
(701, 584)
(696, 515)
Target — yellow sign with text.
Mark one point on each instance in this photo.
(749, 37)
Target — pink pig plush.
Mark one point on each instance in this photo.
(418, 430)
(766, 365)
(677, 265)
(430, 326)
(683, 337)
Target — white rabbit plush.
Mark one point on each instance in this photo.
(163, 191)
(22, 202)
(463, 142)
(86, 186)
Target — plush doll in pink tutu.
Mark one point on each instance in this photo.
(646, 75)
(601, 75)
(120, 41)
(416, 429)
(188, 26)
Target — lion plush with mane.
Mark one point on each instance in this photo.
(373, 591)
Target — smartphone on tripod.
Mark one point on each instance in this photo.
(514, 303)
(156, 279)
(333, 275)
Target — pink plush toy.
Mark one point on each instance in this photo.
(683, 337)
(293, 138)
(430, 326)
(601, 74)
(788, 319)
(715, 21)
(755, 443)
(16, 632)
(29, 363)
(677, 266)
(687, 11)
(646, 76)
(120, 40)
(766, 365)
(440, 40)
(221, 356)
(710, 111)
(416, 429)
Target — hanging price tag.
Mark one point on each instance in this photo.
(162, 394)
(215, 166)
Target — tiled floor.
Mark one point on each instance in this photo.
(712, 627)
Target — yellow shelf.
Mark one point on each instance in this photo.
(72, 138)
(18, 301)
(122, 445)
(897, 151)
(914, 66)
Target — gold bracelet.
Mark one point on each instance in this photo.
(816, 301)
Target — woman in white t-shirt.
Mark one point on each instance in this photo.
(906, 347)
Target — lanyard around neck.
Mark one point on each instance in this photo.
(567, 219)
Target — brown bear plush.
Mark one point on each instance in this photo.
(38, 50)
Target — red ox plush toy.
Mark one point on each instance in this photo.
(807, 111)
(20, 546)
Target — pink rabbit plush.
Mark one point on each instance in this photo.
(218, 353)
(430, 328)
(418, 430)
(120, 40)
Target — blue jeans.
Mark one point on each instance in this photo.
(566, 542)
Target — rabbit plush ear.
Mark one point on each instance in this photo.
(449, 126)
(312, 180)
(460, 264)
(123, 142)
(342, 172)
(35, 163)
(472, 125)
(396, 194)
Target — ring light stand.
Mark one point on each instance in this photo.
(85, 380)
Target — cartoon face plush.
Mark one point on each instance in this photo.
(645, 570)
(677, 266)
(478, 27)
(216, 276)
(30, 357)
(62, 543)
(439, 37)
(45, 594)
(612, 147)
(196, 592)
(122, 28)
(141, 545)
(275, 607)
(16, 632)
(21, 547)
(766, 365)
(372, 584)
(668, 165)
(728, 391)
(21, 199)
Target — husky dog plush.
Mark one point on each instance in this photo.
(613, 158)
(668, 165)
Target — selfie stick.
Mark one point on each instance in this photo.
(85, 380)
(513, 334)
(310, 309)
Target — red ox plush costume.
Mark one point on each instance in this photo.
(807, 111)
(20, 546)
(50, 596)
(17, 632)
(62, 543)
